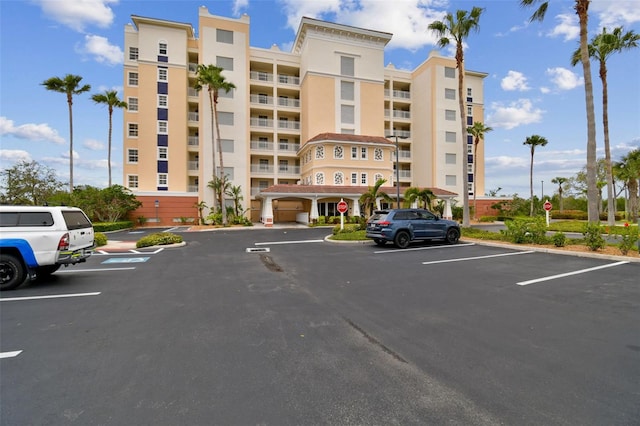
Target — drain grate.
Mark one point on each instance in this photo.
(258, 250)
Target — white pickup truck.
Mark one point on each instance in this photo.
(35, 241)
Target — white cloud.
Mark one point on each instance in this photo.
(545, 90)
(101, 50)
(514, 81)
(569, 28)
(514, 29)
(78, 14)
(514, 114)
(30, 131)
(564, 79)
(93, 145)
(14, 155)
(506, 162)
(238, 5)
(615, 13)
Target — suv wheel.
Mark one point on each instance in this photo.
(402, 239)
(12, 272)
(453, 235)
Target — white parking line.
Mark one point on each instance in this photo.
(566, 274)
(476, 257)
(79, 271)
(9, 354)
(289, 242)
(423, 248)
(53, 296)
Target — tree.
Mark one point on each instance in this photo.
(369, 198)
(601, 47)
(582, 10)
(533, 141)
(235, 192)
(457, 29)
(424, 196)
(559, 181)
(109, 98)
(200, 206)
(628, 169)
(211, 77)
(69, 85)
(29, 183)
(477, 131)
(220, 186)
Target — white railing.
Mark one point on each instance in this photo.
(387, 113)
(289, 147)
(261, 122)
(193, 140)
(404, 174)
(402, 94)
(192, 165)
(261, 168)
(261, 99)
(387, 92)
(286, 102)
(193, 116)
(402, 154)
(289, 170)
(193, 67)
(397, 113)
(288, 79)
(192, 188)
(261, 76)
(262, 145)
(286, 124)
(401, 134)
(191, 92)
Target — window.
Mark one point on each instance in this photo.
(162, 179)
(354, 152)
(132, 181)
(132, 104)
(347, 113)
(363, 178)
(132, 155)
(163, 127)
(227, 171)
(470, 168)
(319, 152)
(449, 115)
(227, 145)
(449, 72)
(133, 79)
(224, 36)
(338, 178)
(363, 153)
(347, 131)
(347, 90)
(469, 92)
(225, 94)
(469, 149)
(162, 48)
(450, 137)
(450, 158)
(347, 66)
(225, 118)
(133, 53)
(338, 152)
(469, 111)
(320, 178)
(354, 178)
(163, 153)
(163, 101)
(450, 180)
(133, 130)
(450, 94)
(224, 63)
(378, 154)
(163, 74)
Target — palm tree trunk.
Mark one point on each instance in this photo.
(463, 126)
(223, 207)
(109, 143)
(70, 103)
(633, 198)
(531, 183)
(213, 140)
(475, 176)
(611, 205)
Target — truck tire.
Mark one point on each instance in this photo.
(12, 272)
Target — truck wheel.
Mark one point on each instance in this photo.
(380, 242)
(402, 239)
(12, 272)
(453, 235)
(42, 272)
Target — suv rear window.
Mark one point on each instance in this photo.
(76, 220)
(379, 216)
(25, 219)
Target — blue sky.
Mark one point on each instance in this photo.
(531, 88)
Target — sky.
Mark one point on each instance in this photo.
(531, 87)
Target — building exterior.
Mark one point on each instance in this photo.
(326, 114)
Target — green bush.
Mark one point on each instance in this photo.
(100, 239)
(629, 235)
(487, 219)
(158, 239)
(112, 226)
(526, 230)
(593, 236)
(348, 228)
(559, 239)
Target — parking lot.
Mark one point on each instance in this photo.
(278, 326)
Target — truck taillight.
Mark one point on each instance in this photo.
(63, 244)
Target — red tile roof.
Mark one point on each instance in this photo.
(341, 137)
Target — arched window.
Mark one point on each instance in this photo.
(320, 178)
(338, 152)
(319, 152)
(338, 178)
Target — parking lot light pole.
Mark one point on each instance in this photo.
(397, 168)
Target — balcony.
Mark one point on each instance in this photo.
(261, 76)
(397, 113)
(262, 168)
(261, 146)
(192, 188)
(261, 122)
(193, 141)
(289, 170)
(286, 124)
(404, 154)
(288, 147)
(404, 134)
(405, 174)
(193, 116)
(193, 165)
(193, 67)
(288, 79)
(402, 94)
(289, 103)
(192, 93)
(261, 99)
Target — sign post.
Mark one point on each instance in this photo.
(547, 208)
(342, 209)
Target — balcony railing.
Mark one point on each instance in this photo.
(261, 99)
(402, 94)
(405, 134)
(193, 140)
(405, 174)
(261, 146)
(193, 67)
(192, 165)
(288, 147)
(397, 113)
(261, 122)
(260, 76)
(291, 103)
(286, 124)
(193, 116)
(289, 170)
(261, 168)
(288, 79)
(403, 154)
(192, 92)
(192, 188)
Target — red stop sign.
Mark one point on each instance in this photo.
(547, 205)
(343, 207)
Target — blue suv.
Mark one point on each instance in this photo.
(401, 226)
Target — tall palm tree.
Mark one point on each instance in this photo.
(582, 10)
(235, 192)
(559, 181)
(628, 170)
(109, 98)
(424, 196)
(477, 131)
(69, 85)
(601, 47)
(456, 29)
(220, 186)
(369, 198)
(211, 77)
(533, 141)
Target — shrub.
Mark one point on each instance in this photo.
(593, 237)
(629, 235)
(526, 230)
(488, 219)
(214, 219)
(348, 228)
(100, 239)
(112, 226)
(158, 239)
(559, 239)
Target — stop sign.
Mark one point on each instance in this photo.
(343, 206)
(547, 205)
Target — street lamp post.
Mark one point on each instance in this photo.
(397, 168)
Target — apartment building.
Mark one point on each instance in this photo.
(301, 130)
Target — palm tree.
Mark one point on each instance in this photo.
(69, 85)
(477, 131)
(110, 98)
(457, 29)
(235, 192)
(200, 206)
(628, 170)
(560, 181)
(369, 198)
(601, 47)
(220, 186)
(581, 7)
(533, 141)
(424, 196)
(211, 76)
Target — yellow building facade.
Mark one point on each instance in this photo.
(302, 129)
